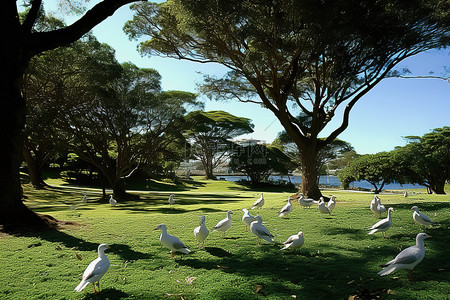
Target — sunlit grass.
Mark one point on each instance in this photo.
(337, 260)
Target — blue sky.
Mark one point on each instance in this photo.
(393, 109)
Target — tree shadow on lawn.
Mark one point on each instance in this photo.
(109, 293)
(54, 236)
(334, 270)
(423, 206)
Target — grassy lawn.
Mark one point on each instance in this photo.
(339, 259)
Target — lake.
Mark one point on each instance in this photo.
(333, 181)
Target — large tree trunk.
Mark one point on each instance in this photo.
(310, 184)
(34, 169)
(14, 215)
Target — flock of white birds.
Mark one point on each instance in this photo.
(406, 259)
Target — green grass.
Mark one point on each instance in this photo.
(337, 260)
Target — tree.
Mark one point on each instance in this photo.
(330, 152)
(121, 124)
(426, 160)
(291, 56)
(210, 135)
(258, 162)
(378, 169)
(22, 42)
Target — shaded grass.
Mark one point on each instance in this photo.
(338, 259)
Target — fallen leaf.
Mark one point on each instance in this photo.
(58, 248)
(190, 279)
(259, 287)
(78, 256)
(390, 292)
(352, 297)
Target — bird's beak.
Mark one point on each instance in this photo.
(109, 247)
(254, 219)
(155, 229)
(429, 237)
(301, 234)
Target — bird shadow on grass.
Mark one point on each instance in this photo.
(218, 252)
(109, 293)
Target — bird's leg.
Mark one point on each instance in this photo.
(98, 285)
(410, 275)
(173, 254)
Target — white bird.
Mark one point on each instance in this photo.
(225, 224)
(382, 225)
(376, 207)
(294, 241)
(260, 230)
(112, 201)
(95, 270)
(172, 199)
(286, 209)
(323, 209)
(258, 203)
(84, 200)
(171, 242)
(201, 232)
(331, 203)
(246, 218)
(420, 218)
(408, 258)
(306, 202)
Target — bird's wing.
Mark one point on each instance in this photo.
(263, 231)
(179, 245)
(408, 256)
(220, 224)
(425, 218)
(291, 239)
(285, 208)
(96, 267)
(381, 224)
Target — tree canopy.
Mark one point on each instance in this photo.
(210, 134)
(291, 56)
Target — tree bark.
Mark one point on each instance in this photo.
(310, 184)
(20, 44)
(34, 166)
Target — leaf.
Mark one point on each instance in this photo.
(190, 279)
(78, 256)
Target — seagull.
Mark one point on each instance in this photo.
(294, 241)
(323, 207)
(376, 207)
(172, 199)
(84, 200)
(331, 204)
(286, 209)
(112, 201)
(171, 242)
(259, 203)
(201, 232)
(408, 258)
(306, 202)
(382, 225)
(260, 230)
(95, 270)
(246, 218)
(421, 218)
(224, 224)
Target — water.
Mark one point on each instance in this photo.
(333, 181)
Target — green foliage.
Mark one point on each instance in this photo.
(338, 258)
(259, 161)
(378, 169)
(426, 160)
(210, 133)
(312, 57)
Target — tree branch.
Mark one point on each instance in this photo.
(42, 41)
